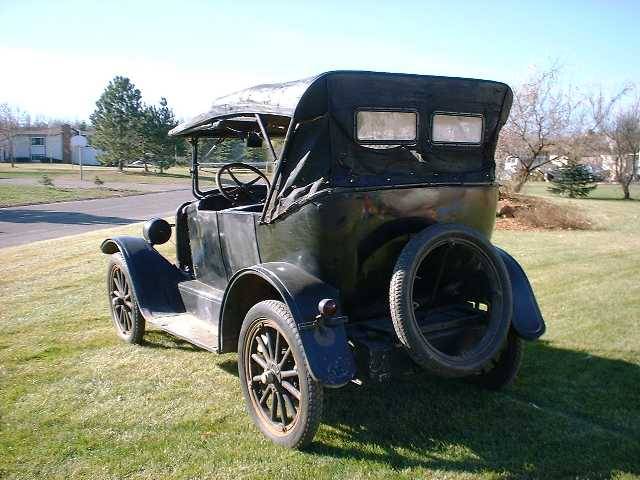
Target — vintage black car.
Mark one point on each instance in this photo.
(367, 253)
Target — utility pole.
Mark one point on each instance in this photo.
(80, 161)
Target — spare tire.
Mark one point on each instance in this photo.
(451, 300)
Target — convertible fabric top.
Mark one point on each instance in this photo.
(280, 99)
(323, 151)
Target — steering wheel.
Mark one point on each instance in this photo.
(241, 192)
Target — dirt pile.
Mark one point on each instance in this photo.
(525, 213)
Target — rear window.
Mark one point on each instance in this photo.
(456, 128)
(386, 127)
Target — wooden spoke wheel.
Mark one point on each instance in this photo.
(282, 398)
(125, 313)
(275, 386)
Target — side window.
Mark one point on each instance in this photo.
(456, 128)
(386, 127)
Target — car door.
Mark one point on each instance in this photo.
(237, 230)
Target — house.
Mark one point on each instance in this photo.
(48, 144)
(37, 144)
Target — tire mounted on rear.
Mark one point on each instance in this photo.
(461, 270)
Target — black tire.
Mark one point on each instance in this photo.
(125, 313)
(263, 322)
(503, 370)
(402, 301)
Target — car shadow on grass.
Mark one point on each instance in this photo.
(569, 414)
(162, 340)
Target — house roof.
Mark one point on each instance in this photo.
(46, 131)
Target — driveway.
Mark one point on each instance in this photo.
(20, 225)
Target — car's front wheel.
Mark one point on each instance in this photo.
(282, 398)
(126, 316)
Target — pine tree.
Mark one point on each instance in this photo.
(573, 180)
(118, 121)
(158, 147)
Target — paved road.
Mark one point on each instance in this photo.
(20, 225)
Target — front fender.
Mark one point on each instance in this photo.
(526, 319)
(327, 352)
(153, 278)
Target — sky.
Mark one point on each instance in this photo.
(56, 57)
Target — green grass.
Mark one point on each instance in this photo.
(604, 191)
(177, 175)
(12, 195)
(75, 402)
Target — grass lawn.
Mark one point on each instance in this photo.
(75, 402)
(13, 195)
(107, 174)
(604, 191)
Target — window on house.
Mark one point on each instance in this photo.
(37, 141)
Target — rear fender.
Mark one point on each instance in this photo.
(527, 319)
(154, 279)
(327, 352)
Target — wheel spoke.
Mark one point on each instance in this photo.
(281, 407)
(274, 406)
(253, 181)
(256, 358)
(265, 396)
(277, 349)
(284, 357)
(289, 373)
(291, 389)
(269, 344)
(116, 280)
(238, 182)
(265, 351)
(121, 318)
(290, 406)
(127, 319)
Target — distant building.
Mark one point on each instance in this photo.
(47, 144)
(38, 144)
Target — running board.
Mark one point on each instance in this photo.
(189, 328)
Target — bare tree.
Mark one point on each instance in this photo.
(620, 124)
(540, 115)
(10, 121)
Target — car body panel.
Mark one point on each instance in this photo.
(153, 278)
(527, 319)
(327, 352)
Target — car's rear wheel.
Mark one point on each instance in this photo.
(282, 398)
(126, 316)
(502, 370)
